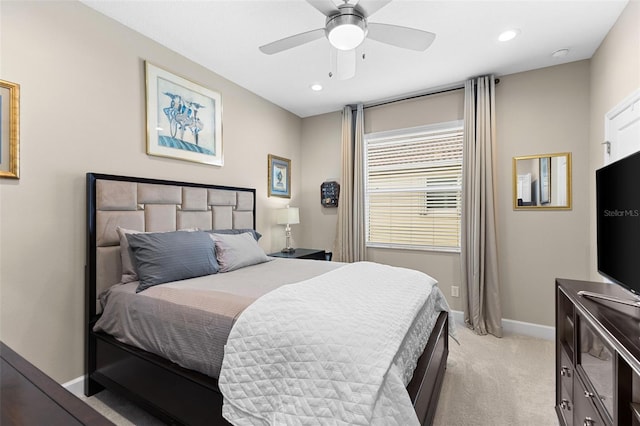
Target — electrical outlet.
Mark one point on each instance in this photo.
(455, 291)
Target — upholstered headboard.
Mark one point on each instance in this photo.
(153, 206)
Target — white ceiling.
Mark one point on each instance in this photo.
(224, 36)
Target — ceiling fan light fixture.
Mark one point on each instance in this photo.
(346, 32)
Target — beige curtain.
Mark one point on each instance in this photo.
(479, 255)
(350, 236)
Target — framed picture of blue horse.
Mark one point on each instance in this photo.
(184, 119)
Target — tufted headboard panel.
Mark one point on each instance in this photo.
(153, 206)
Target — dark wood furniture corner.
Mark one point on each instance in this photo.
(597, 357)
(30, 397)
(302, 253)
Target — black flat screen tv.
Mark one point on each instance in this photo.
(618, 222)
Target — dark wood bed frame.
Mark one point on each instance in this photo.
(180, 396)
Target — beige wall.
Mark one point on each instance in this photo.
(615, 74)
(438, 108)
(82, 110)
(320, 161)
(539, 112)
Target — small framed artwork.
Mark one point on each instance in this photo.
(545, 180)
(279, 177)
(184, 119)
(9, 130)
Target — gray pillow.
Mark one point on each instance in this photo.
(253, 232)
(235, 251)
(128, 270)
(129, 273)
(162, 257)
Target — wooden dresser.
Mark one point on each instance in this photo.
(597, 357)
(30, 397)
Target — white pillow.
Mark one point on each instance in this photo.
(235, 251)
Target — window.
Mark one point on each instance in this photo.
(413, 187)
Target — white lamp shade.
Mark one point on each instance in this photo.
(290, 216)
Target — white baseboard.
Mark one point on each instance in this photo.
(75, 386)
(518, 327)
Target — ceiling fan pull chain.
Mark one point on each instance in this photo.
(332, 62)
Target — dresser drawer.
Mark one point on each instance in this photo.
(566, 406)
(585, 412)
(566, 373)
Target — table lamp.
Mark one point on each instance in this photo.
(288, 216)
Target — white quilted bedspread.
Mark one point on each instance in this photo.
(321, 351)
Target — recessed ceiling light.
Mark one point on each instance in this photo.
(508, 35)
(316, 87)
(560, 53)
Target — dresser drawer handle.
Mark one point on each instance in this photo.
(565, 405)
(588, 394)
(565, 371)
(588, 421)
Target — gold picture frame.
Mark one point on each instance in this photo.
(542, 182)
(279, 176)
(9, 130)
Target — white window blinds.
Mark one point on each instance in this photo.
(413, 187)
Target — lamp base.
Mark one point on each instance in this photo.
(288, 250)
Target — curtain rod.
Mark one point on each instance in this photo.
(453, 88)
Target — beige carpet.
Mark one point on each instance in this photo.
(498, 382)
(489, 382)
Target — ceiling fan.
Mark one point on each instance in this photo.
(346, 28)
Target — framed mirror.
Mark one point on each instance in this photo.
(542, 182)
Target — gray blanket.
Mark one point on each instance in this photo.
(188, 321)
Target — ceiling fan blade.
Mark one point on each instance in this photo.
(344, 62)
(326, 7)
(292, 41)
(405, 37)
(369, 7)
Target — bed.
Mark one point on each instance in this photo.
(167, 383)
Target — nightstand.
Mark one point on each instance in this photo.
(302, 253)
